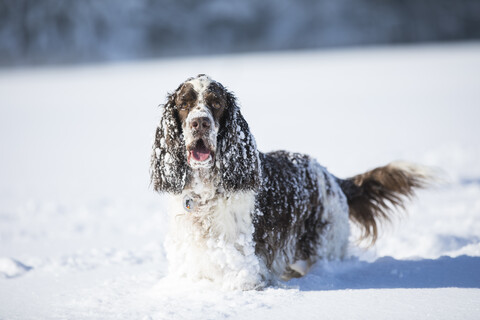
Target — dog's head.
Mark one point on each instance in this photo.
(202, 128)
(201, 104)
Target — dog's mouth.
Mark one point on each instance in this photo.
(200, 153)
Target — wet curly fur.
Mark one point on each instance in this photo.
(276, 213)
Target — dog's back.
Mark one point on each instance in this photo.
(302, 214)
(303, 211)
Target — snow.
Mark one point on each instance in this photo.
(81, 231)
(10, 268)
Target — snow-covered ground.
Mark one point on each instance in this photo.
(81, 231)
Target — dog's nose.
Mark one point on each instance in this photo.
(202, 123)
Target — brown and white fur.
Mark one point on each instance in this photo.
(243, 218)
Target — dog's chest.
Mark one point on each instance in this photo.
(216, 214)
(211, 236)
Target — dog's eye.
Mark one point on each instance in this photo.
(183, 105)
(216, 105)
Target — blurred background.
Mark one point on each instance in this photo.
(58, 31)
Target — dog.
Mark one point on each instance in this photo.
(243, 218)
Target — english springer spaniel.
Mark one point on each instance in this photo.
(244, 218)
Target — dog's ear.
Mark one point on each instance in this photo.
(168, 171)
(238, 158)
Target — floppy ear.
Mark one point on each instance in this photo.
(168, 171)
(239, 162)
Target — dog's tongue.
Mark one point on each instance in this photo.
(200, 152)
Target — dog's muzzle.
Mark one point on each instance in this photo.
(201, 150)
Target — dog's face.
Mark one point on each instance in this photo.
(201, 104)
(202, 128)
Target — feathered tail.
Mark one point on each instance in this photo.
(372, 195)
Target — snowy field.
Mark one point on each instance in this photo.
(81, 230)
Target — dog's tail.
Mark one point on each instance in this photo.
(372, 195)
